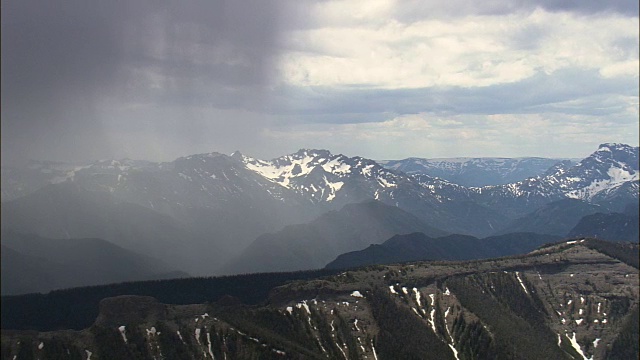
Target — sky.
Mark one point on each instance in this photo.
(383, 79)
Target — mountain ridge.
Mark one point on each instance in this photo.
(551, 303)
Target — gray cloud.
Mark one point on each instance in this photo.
(540, 93)
(160, 79)
(69, 66)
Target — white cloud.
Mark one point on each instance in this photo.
(429, 135)
(360, 44)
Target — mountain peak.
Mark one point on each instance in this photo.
(614, 146)
(237, 155)
(312, 152)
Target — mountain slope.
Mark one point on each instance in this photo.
(67, 211)
(611, 172)
(419, 247)
(331, 181)
(612, 227)
(313, 245)
(34, 264)
(555, 218)
(555, 303)
(199, 210)
(474, 172)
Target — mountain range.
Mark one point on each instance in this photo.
(420, 247)
(475, 172)
(213, 213)
(313, 245)
(34, 264)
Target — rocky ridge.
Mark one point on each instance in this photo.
(566, 300)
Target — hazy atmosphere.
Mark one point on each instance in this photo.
(382, 79)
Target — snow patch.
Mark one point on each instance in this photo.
(122, 330)
(432, 320)
(337, 167)
(576, 346)
(209, 346)
(382, 181)
(617, 177)
(373, 349)
(446, 326)
(521, 283)
(417, 292)
(455, 352)
(304, 305)
(333, 187)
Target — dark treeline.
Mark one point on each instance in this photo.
(628, 253)
(77, 308)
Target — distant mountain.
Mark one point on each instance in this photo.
(66, 211)
(420, 247)
(212, 194)
(576, 299)
(19, 181)
(474, 172)
(200, 210)
(34, 264)
(556, 218)
(313, 245)
(612, 227)
(609, 174)
(331, 181)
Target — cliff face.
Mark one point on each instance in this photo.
(565, 301)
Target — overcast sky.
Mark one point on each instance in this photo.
(146, 79)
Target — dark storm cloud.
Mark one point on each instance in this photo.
(67, 64)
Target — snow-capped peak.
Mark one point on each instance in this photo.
(320, 175)
(297, 165)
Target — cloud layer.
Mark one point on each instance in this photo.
(378, 78)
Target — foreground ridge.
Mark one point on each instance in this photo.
(577, 299)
